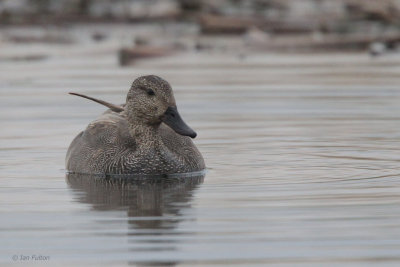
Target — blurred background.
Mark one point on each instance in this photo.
(296, 104)
(228, 25)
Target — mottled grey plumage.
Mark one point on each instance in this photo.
(134, 138)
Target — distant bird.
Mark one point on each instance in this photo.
(146, 135)
(377, 48)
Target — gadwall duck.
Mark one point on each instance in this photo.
(146, 135)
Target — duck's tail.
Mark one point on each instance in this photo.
(113, 107)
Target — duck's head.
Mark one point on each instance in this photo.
(151, 101)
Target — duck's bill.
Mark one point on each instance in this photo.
(172, 118)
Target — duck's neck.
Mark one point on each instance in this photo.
(146, 136)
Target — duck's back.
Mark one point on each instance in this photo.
(106, 147)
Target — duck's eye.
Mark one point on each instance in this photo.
(150, 92)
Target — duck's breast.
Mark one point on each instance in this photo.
(184, 148)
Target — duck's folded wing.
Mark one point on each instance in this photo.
(99, 144)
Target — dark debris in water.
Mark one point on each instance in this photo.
(24, 58)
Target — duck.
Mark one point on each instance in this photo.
(146, 135)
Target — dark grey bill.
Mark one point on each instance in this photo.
(172, 118)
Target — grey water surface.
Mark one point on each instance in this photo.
(302, 154)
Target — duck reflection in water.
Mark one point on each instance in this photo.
(153, 204)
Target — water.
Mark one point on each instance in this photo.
(302, 155)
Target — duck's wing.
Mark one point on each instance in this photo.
(109, 128)
(100, 145)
